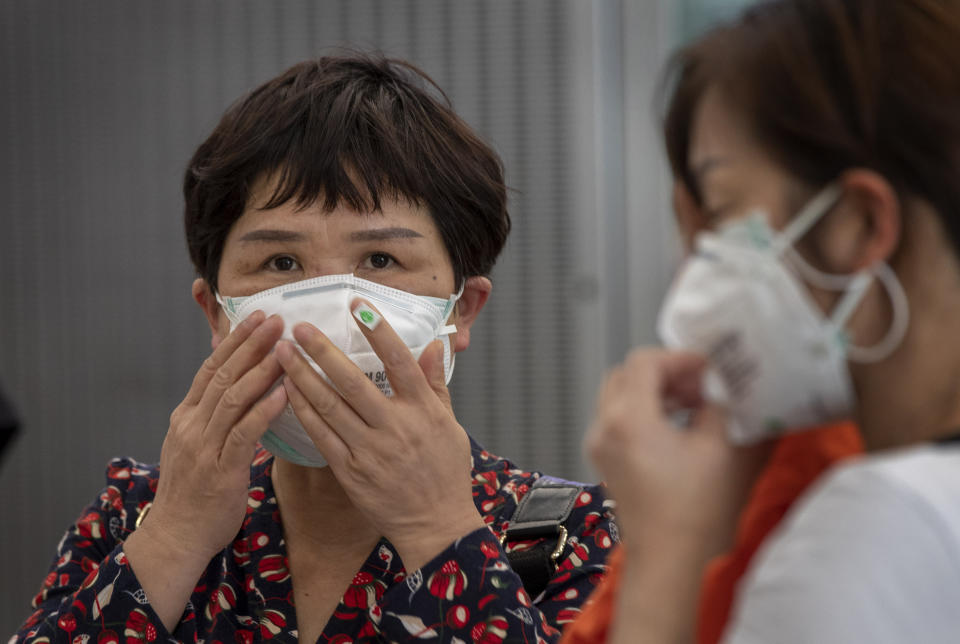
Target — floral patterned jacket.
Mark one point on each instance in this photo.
(467, 593)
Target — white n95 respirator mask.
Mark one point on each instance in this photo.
(325, 303)
(776, 362)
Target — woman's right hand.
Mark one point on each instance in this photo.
(204, 478)
(678, 490)
(683, 481)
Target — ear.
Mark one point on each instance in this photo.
(476, 290)
(203, 295)
(689, 214)
(864, 227)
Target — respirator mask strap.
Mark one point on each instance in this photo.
(854, 287)
(447, 329)
(449, 356)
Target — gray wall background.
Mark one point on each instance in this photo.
(103, 103)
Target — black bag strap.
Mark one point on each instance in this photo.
(540, 514)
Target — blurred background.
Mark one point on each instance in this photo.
(102, 105)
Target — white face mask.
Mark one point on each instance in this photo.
(325, 303)
(776, 361)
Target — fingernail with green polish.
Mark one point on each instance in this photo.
(367, 316)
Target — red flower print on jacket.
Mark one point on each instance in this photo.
(271, 623)
(108, 637)
(448, 582)
(241, 552)
(274, 568)
(138, 628)
(121, 472)
(254, 498)
(492, 631)
(111, 497)
(90, 526)
(88, 565)
(364, 591)
(68, 623)
(578, 555)
(490, 550)
(488, 481)
(466, 593)
(458, 616)
(602, 539)
(34, 619)
(590, 523)
(568, 615)
(224, 597)
(257, 540)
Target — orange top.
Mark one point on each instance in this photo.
(797, 461)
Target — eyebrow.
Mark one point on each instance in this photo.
(382, 234)
(372, 234)
(268, 235)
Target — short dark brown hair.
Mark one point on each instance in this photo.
(351, 129)
(828, 85)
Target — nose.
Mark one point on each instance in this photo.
(327, 265)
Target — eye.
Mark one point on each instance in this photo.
(380, 261)
(282, 263)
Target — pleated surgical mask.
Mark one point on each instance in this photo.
(325, 303)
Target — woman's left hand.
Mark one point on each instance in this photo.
(404, 461)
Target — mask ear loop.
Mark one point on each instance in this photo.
(898, 327)
(855, 285)
(449, 359)
(856, 288)
(810, 214)
(783, 244)
(449, 355)
(447, 329)
(813, 275)
(229, 306)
